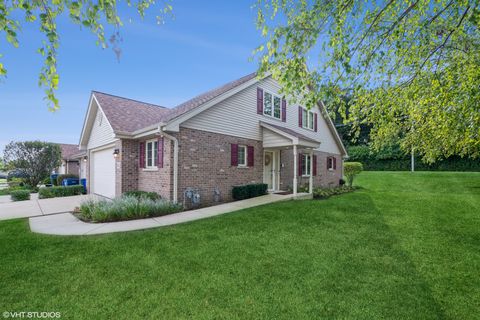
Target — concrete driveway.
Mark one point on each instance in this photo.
(37, 207)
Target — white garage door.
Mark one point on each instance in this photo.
(103, 173)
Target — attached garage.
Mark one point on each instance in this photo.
(102, 174)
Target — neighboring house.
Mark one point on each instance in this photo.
(71, 159)
(242, 132)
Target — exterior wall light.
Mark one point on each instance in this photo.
(85, 159)
(116, 152)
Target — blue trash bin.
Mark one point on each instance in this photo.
(53, 179)
(83, 182)
(70, 182)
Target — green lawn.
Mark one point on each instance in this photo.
(405, 246)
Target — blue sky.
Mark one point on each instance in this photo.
(207, 44)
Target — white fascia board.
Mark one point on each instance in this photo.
(85, 122)
(333, 129)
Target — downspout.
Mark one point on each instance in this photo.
(175, 163)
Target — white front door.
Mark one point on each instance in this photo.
(271, 166)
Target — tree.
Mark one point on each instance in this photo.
(92, 15)
(410, 67)
(35, 159)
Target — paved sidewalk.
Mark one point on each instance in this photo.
(38, 207)
(67, 224)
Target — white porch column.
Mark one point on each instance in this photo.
(310, 180)
(295, 170)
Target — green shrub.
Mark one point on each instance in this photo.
(323, 193)
(20, 195)
(16, 182)
(47, 181)
(62, 177)
(142, 194)
(54, 192)
(249, 191)
(125, 208)
(350, 170)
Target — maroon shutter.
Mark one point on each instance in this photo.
(315, 122)
(284, 110)
(250, 156)
(334, 163)
(160, 153)
(300, 161)
(328, 162)
(141, 158)
(259, 100)
(234, 155)
(300, 116)
(314, 160)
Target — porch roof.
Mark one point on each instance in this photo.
(277, 136)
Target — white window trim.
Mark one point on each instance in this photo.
(307, 173)
(271, 115)
(310, 114)
(330, 168)
(246, 156)
(154, 166)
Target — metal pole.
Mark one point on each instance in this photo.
(413, 161)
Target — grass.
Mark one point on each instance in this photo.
(404, 246)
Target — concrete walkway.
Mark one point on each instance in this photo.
(67, 224)
(37, 207)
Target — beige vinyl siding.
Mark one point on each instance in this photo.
(102, 132)
(237, 116)
(271, 139)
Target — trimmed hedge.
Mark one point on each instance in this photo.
(142, 194)
(393, 159)
(249, 191)
(125, 208)
(55, 192)
(20, 195)
(62, 177)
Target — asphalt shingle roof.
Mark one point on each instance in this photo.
(127, 115)
(68, 150)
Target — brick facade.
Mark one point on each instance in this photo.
(159, 180)
(324, 177)
(205, 164)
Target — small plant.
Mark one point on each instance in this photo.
(20, 195)
(323, 193)
(142, 194)
(54, 192)
(350, 170)
(62, 177)
(249, 191)
(125, 208)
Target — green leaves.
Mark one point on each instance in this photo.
(90, 15)
(409, 68)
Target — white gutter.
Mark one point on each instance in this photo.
(175, 163)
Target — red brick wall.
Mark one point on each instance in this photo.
(204, 163)
(161, 180)
(324, 177)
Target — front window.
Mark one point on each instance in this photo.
(306, 165)
(272, 105)
(330, 163)
(151, 156)
(307, 119)
(242, 155)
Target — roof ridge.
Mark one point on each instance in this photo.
(135, 100)
(216, 88)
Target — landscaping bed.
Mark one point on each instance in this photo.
(128, 207)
